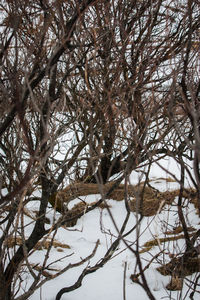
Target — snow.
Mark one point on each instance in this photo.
(107, 282)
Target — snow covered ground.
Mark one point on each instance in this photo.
(107, 282)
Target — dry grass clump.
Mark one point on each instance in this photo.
(45, 244)
(156, 242)
(178, 267)
(152, 201)
(175, 284)
(144, 200)
(76, 190)
(80, 209)
(148, 201)
(181, 266)
(44, 272)
(178, 230)
(167, 179)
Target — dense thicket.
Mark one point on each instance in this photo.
(90, 90)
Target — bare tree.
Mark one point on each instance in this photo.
(87, 93)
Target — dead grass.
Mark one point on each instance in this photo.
(147, 201)
(80, 208)
(180, 266)
(76, 190)
(156, 242)
(175, 284)
(44, 272)
(45, 244)
(167, 179)
(178, 230)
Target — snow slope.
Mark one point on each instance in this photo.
(107, 282)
